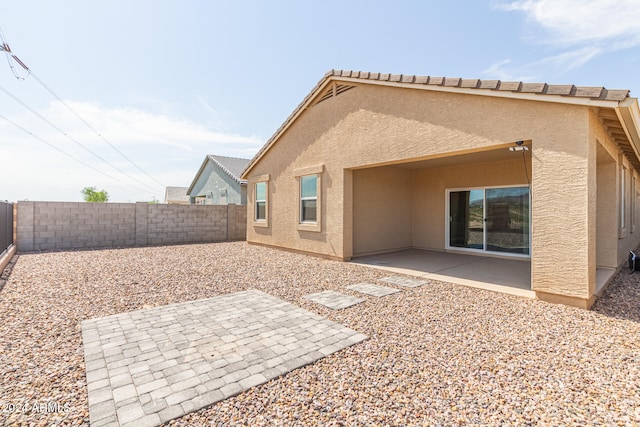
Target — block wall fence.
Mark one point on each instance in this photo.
(45, 226)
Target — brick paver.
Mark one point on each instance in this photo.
(149, 366)
(373, 290)
(334, 300)
(404, 281)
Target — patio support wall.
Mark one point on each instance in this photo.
(71, 225)
(561, 244)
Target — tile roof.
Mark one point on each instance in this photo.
(233, 166)
(591, 92)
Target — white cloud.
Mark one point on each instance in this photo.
(571, 22)
(575, 32)
(556, 64)
(168, 148)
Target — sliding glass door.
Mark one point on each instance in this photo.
(490, 219)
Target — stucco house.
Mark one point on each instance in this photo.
(371, 163)
(218, 182)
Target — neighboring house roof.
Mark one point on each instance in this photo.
(176, 194)
(596, 96)
(232, 166)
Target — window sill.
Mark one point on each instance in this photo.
(310, 226)
(262, 224)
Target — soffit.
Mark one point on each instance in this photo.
(616, 132)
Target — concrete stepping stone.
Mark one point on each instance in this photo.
(334, 300)
(150, 366)
(373, 290)
(404, 281)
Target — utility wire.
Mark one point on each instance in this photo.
(96, 155)
(5, 48)
(69, 155)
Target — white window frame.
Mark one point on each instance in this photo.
(254, 181)
(314, 226)
(623, 200)
(258, 201)
(633, 201)
(308, 199)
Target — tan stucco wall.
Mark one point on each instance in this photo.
(382, 210)
(372, 126)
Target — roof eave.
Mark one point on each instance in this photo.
(195, 179)
(562, 99)
(628, 113)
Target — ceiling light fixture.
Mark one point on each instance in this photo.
(519, 147)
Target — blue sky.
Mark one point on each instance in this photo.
(167, 82)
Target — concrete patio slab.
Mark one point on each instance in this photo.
(334, 300)
(510, 276)
(149, 366)
(373, 290)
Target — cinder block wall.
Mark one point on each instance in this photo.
(75, 225)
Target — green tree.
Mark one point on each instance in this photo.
(91, 195)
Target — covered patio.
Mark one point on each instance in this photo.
(509, 276)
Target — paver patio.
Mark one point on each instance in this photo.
(149, 366)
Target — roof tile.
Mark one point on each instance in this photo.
(407, 79)
(617, 94)
(489, 84)
(560, 89)
(588, 91)
(421, 80)
(452, 81)
(385, 76)
(470, 83)
(512, 86)
(436, 80)
(533, 87)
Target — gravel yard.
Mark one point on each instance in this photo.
(440, 354)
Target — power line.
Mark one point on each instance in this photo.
(69, 155)
(5, 47)
(96, 155)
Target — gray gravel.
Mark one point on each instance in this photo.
(440, 354)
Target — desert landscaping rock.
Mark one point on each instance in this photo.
(440, 354)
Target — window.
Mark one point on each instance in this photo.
(261, 201)
(260, 186)
(490, 219)
(309, 212)
(633, 203)
(623, 198)
(309, 198)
